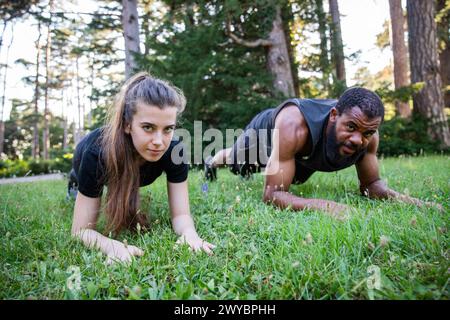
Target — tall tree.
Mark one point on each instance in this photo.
(278, 61)
(45, 129)
(443, 23)
(337, 47)
(287, 14)
(323, 58)
(35, 142)
(130, 25)
(225, 83)
(5, 75)
(400, 54)
(422, 37)
(79, 131)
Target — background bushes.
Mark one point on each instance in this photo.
(20, 168)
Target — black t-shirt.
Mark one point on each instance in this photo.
(89, 166)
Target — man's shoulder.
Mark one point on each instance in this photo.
(291, 120)
(292, 129)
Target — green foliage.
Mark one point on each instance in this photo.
(400, 136)
(10, 168)
(404, 94)
(20, 168)
(226, 84)
(10, 10)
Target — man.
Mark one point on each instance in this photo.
(302, 136)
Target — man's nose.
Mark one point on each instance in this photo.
(356, 139)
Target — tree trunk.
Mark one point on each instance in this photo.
(291, 50)
(337, 47)
(147, 33)
(5, 24)
(444, 54)
(278, 61)
(400, 55)
(91, 84)
(35, 143)
(79, 130)
(324, 59)
(429, 102)
(5, 75)
(46, 131)
(130, 26)
(64, 118)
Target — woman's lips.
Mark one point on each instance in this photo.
(155, 152)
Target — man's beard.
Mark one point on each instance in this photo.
(332, 147)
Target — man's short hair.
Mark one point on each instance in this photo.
(368, 101)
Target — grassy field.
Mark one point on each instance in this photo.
(386, 250)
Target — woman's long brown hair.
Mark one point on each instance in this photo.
(118, 152)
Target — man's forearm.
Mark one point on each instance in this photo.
(283, 199)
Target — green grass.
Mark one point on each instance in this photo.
(261, 253)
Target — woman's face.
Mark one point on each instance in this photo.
(152, 130)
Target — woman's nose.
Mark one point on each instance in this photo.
(157, 138)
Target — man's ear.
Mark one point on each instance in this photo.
(333, 114)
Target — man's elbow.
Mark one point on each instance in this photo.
(270, 197)
(267, 197)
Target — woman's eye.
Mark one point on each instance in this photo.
(147, 128)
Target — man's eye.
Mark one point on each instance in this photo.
(350, 127)
(368, 134)
(168, 130)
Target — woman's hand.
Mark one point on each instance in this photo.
(195, 243)
(182, 222)
(121, 252)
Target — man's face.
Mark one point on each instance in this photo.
(152, 130)
(349, 132)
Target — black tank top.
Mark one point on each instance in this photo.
(316, 113)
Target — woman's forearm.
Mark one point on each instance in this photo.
(94, 239)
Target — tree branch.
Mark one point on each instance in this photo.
(246, 43)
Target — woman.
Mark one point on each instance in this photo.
(132, 150)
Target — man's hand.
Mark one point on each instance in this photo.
(435, 205)
(432, 205)
(379, 190)
(338, 211)
(195, 243)
(120, 252)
